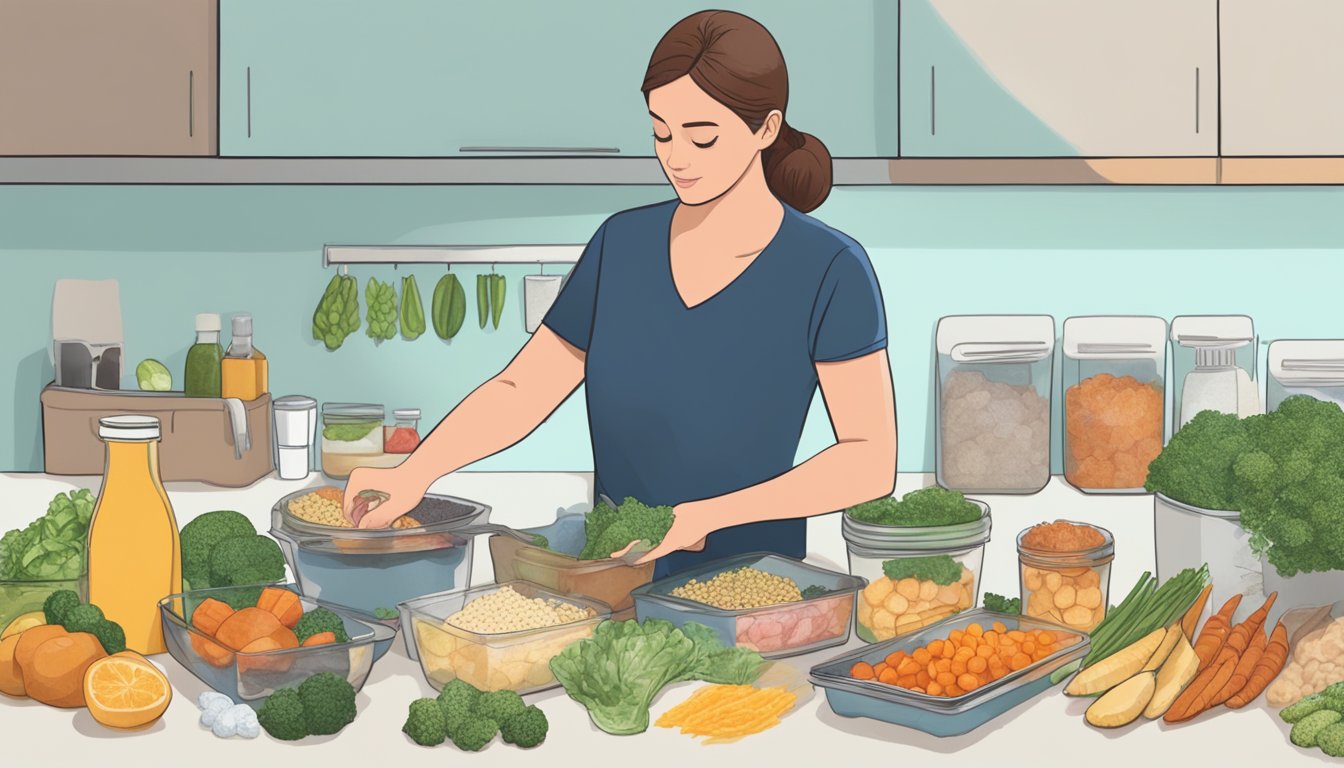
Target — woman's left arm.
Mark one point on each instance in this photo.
(860, 466)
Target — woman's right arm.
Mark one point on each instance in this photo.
(497, 414)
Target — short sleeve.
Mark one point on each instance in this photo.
(848, 319)
(571, 315)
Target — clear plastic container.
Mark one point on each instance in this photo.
(993, 402)
(1188, 536)
(774, 631)
(558, 567)
(352, 436)
(1067, 588)
(371, 568)
(889, 607)
(1227, 347)
(250, 678)
(937, 715)
(20, 597)
(1312, 367)
(1112, 370)
(515, 661)
(403, 435)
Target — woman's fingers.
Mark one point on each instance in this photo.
(623, 550)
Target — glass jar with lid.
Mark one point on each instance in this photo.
(1065, 572)
(1114, 401)
(994, 375)
(403, 435)
(1213, 366)
(352, 436)
(1312, 367)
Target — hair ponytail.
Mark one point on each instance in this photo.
(798, 169)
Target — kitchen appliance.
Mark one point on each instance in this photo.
(87, 346)
(295, 431)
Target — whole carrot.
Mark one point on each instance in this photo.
(1190, 622)
(1245, 665)
(1270, 664)
(1240, 636)
(1196, 698)
(1215, 631)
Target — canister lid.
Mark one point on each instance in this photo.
(294, 403)
(1115, 337)
(406, 414)
(128, 427)
(996, 338)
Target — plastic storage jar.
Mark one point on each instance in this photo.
(352, 436)
(993, 402)
(403, 435)
(890, 607)
(1213, 366)
(1112, 372)
(1066, 587)
(1313, 367)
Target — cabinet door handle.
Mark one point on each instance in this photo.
(1196, 99)
(191, 103)
(551, 150)
(249, 102)
(933, 101)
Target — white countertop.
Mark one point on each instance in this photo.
(1048, 730)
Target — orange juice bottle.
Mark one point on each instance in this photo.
(244, 371)
(134, 557)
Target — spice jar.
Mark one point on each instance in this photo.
(993, 402)
(1066, 572)
(404, 434)
(352, 436)
(1112, 373)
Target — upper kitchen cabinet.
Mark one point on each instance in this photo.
(351, 78)
(91, 77)
(1059, 78)
(1283, 77)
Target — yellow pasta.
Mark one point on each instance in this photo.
(728, 712)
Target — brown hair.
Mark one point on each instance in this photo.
(738, 63)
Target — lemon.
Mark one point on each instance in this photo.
(126, 691)
(23, 623)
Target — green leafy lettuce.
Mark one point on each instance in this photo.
(52, 546)
(940, 569)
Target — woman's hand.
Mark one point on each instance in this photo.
(403, 488)
(690, 525)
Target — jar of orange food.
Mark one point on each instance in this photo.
(1066, 572)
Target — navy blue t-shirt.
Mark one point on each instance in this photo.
(692, 403)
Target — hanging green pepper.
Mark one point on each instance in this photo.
(482, 298)
(412, 310)
(450, 306)
(497, 288)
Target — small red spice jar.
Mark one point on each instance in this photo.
(404, 435)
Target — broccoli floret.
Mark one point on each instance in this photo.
(940, 569)
(1306, 730)
(458, 700)
(328, 703)
(58, 604)
(83, 618)
(111, 635)
(931, 506)
(425, 723)
(526, 729)
(474, 734)
(499, 705)
(1001, 604)
(246, 560)
(608, 529)
(282, 715)
(1196, 465)
(814, 591)
(1331, 740)
(320, 620)
(198, 540)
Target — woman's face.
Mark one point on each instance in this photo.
(704, 148)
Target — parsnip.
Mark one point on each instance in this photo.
(1124, 703)
(1172, 677)
(1164, 650)
(1116, 668)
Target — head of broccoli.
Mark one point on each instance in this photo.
(83, 618)
(458, 701)
(526, 729)
(425, 724)
(246, 560)
(282, 715)
(932, 506)
(499, 705)
(610, 529)
(320, 620)
(328, 703)
(58, 604)
(1196, 466)
(199, 538)
(474, 734)
(1001, 604)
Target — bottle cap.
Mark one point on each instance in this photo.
(128, 427)
(406, 414)
(206, 322)
(1215, 357)
(242, 324)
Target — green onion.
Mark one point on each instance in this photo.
(1147, 607)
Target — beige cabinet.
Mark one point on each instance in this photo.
(1283, 77)
(104, 77)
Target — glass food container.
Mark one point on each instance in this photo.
(515, 661)
(936, 570)
(557, 567)
(1213, 366)
(1069, 588)
(20, 597)
(1313, 367)
(250, 678)
(1112, 371)
(820, 620)
(849, 697)
(993, 402)
(403, 436)
(371, 568)
(352, 436)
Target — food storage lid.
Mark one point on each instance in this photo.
(406, 414)
(1307, 362)
(441, 516)
(128, 427)
(872, 540)
(439, 606)
(1115, 337)
(1212, 331)
(802, 574)
(294, 403)
(996, 338)
(351, 412)
(1098, 555)
(207, 322)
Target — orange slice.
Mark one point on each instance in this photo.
(126, 691)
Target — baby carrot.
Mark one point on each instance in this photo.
(1190, 622)
(1215, 632)
(1195, 699)
(1240, 636)
(1270, 664)
(1242, 672)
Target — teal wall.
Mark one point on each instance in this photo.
(1274, 253)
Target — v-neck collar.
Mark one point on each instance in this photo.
(671, 276)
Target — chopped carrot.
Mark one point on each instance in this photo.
(889, 677)
(862, 671)
(999, 627)
(975, 630)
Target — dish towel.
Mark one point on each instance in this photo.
(242, 440)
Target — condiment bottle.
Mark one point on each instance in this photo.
(244, 369)
(202, 377)
(404, 435)
(1217, 383)
(134, 557)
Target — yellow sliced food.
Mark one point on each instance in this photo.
(1172, 678)
(23, 622)
(126, 691)
(1116, 668)
(11, 675)
(1168, 644)
(1124, 703)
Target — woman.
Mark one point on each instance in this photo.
(702, 327)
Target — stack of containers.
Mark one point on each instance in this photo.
(1112, 372)
(1313, 367)
(993, 392)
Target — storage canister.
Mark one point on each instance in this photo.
(1313, 367)
(1188, 536)
(1066, 572)
(993, 402)
(1112, 372)
(1213, 365)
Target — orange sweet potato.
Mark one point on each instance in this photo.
(246, 626)
(209, 615)
(211, 653)
(31, 639)
(11, 676)
(266, 662)
(55, 673)
(321, 638)
(282, 604)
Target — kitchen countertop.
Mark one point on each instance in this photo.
(1048, 730)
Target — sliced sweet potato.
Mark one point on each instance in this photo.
(211, 653)
(209, 615)
(321, 638)
(11, 676)
(282, 604)
(247, 626)
(268, 662)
